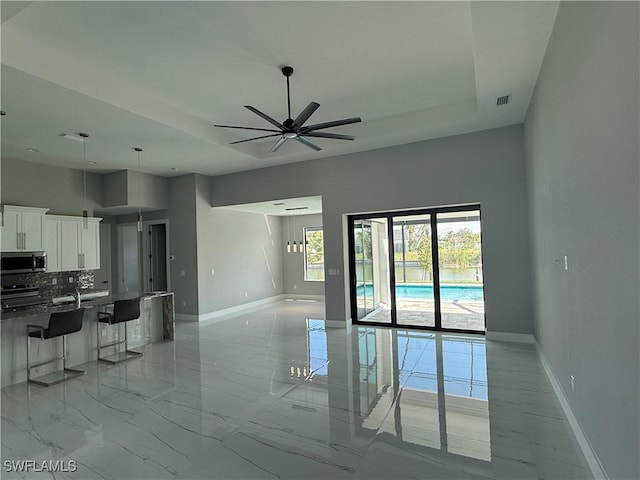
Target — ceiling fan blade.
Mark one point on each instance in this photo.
(335, 136)
(265, 116)
(308, 143)
(256, 138)
(278, 144)
(305, 114)
(248, 128)
(335, 123)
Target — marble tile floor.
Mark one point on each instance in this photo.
(273, 394)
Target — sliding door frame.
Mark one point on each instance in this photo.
(389, 215)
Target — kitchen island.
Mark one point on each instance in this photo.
(156, 324)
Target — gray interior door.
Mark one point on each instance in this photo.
(158, 257)
(128, 259)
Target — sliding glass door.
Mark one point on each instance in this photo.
(460, 267)
(420, 269)
(413, 265)
(370, 262)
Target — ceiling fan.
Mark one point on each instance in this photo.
(294, 128)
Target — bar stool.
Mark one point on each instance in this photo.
(123, 311)
(60, 324)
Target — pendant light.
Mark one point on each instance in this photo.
(295, 245)
(300, 242)
(288, 232)
(138, 150)
(85, 211)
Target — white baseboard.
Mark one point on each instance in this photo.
(230, 311)
(338, 324)
(244, 307)
(590, 455)
(510, 337)
(298, 296)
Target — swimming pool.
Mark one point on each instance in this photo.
(425, 292)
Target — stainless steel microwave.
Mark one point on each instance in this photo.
(23, 262)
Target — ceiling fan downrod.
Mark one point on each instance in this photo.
(287, 71)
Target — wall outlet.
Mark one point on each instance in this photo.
(573, 383)
(295, 286)
(246, 294)
(70, 279)
(54, 281)
(183, 273)
(213, 271)
(184, 303)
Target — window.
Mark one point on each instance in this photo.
(313, 254)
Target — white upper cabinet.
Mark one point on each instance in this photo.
(90, 244)
(23, 229)
(71, 246)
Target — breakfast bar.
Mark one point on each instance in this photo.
(155, 324)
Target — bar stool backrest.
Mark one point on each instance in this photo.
(64, 323)
(125, 310)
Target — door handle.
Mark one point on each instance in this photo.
(24, 240)
(19, 240)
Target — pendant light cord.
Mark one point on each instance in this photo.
(85, 211)
(288, 99)
(139, 193)
(138, 150)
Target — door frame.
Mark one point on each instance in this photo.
(120, 258)
(106, 250)
(389, 215)
(146, 273)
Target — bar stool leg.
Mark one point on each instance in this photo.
(28, 360)
(126, 345)
(64, 352)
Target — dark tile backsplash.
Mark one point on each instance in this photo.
(53, 284)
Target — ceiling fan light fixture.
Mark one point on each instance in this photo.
(294, 128)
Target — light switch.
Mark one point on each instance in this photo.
(183, 273)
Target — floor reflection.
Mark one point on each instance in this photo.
(439, 383)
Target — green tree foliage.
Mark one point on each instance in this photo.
(459, 249)
(363, 239)
(315, 247)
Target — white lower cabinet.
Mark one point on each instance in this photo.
(71, 246)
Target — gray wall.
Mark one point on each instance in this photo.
(293, 263)
(147, 191)
(485, 167)
(115, 188)
(59, 189)
(129, 188)
(183, 243)
(245, 251)
(581, 137)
